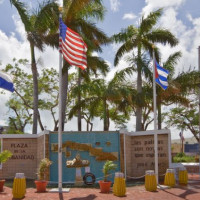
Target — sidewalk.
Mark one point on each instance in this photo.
(190, 192)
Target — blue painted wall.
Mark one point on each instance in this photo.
(83, 137)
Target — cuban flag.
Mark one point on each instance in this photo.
(6, 81)
(72, 46)
(161, 76)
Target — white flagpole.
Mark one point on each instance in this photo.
(199, 108)
(155, 119)
(60, 120)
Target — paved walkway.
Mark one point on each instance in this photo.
(190, 192)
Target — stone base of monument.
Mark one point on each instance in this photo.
(78, 181)
(78, 178)
(163, 187)
(64, 190)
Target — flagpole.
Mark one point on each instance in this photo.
(199, 108)
(155, 119)
(60, 119)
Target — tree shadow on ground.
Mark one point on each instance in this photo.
(89, 197)
(184, 194)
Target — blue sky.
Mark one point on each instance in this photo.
(181, 17)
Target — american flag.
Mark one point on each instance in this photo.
(72, 46)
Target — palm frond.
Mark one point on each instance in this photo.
(125, 35)
(148, 46)
(162, 36)
(148, 22)
(22, 10)
(121, 75)
(94, 10)
(52, 40)
(86, 9)
(97, 64)
(188, 81)
(171, 61)
(47, 17)
(125, 48)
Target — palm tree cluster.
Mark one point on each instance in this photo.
(90, 95)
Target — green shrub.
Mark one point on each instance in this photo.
(4, 156)
(43, 168)
(181, 157)
(108, 166)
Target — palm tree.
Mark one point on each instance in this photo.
(186, 117)
(173, 94)
(37, 27)
(99, 96)
(95, 65)
(179, 86)
(79, 16)
(142, 38)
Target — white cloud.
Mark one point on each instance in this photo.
(1, 1)
(19, 27)
(4, 110)
(48, 59)
(95, 54)
(10, 47)
(188, 39)
(129, 16)
(188, 43)
(114, 5)
(156, 4)
(188, 36)
(59, 2)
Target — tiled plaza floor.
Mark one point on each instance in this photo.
(190, 192)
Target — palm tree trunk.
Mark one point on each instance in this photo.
(87, 126)
(91, 127)
(139, 91)
(40, 122)
(79, 99)
(35, 89)
(106, 117)
(64, 90)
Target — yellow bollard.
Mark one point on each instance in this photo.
(183, 176)
(170, 178)
(150, 181)
(119, 187)
(19, 186)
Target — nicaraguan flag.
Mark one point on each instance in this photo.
(161, 76)
(6, 82)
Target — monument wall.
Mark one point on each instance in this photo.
(95, 147)
(27, 152)
(138, 154)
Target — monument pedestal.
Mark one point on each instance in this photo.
(79, 178)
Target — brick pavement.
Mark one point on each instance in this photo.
(190, 192)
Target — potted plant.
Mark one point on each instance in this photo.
(43, 171)
(4, 156)
(105, 184)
